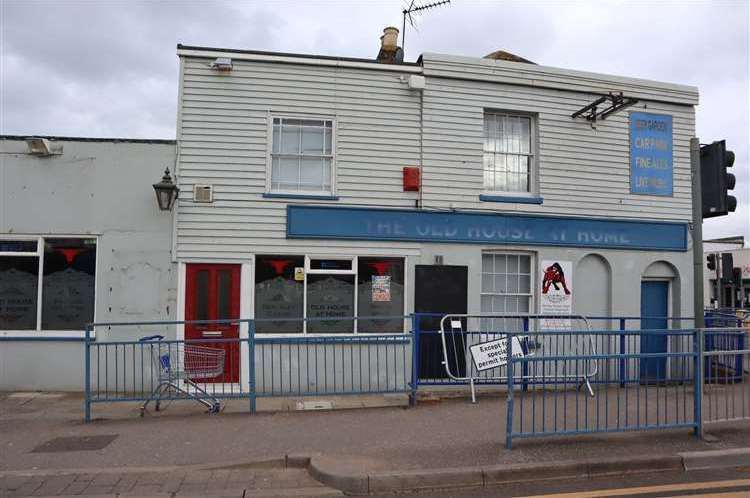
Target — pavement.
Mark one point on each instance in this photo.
(47, 450)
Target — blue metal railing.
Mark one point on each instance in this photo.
(655, 392)
(627, 387)
(253, 365)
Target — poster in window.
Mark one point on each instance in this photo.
(556, 293)
(380, 291)
(381, 288)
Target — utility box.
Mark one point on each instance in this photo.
(411, 179)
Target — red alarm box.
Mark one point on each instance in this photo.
(411, 179)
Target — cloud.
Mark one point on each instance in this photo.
(109, 68)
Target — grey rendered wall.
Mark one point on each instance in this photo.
(102, 189)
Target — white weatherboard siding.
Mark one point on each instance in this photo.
(580, 171)
(223, 134)
(224, 139)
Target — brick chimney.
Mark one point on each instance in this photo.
(390, 52)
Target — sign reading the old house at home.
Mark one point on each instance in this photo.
(650, 154)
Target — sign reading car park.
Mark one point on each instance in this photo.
(650, 154)
(493, 354)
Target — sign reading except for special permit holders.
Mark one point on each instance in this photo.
(650, 154)
(493, 354)
(556, 296)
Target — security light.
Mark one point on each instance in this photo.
(166, 192)
(42, 147)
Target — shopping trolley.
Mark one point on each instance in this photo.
(176, 366)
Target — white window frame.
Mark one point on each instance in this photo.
(533, 153)
(354, 271)
(532, 279)
(269, 156)
(51, 333)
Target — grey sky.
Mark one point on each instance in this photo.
(108, 68)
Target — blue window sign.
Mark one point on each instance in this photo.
(650, 154)
(358, 223)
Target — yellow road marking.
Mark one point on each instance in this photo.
(666, 488)
(734, 494)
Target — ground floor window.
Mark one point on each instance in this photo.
(326, 291)
(47, 283)
(506, 287)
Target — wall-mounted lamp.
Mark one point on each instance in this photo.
(166, 192)
(222, 64)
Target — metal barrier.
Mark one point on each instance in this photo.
(429, 360)
(247, 367)
(467, 330)
(655, 390)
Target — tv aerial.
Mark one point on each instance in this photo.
(416, 9)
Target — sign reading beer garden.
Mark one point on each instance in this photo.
(650, 154)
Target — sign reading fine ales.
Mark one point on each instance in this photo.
(650, 154)
(493, 354)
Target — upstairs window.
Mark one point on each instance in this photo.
(508, 156)
(302, 157)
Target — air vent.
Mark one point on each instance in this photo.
(203, 193)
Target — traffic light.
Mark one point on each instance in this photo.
(715, 181)
(727, 266)
(711, 259)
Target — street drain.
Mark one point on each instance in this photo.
(75, 443)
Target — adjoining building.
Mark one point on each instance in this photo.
(81, 239)
(328, 187)
(727, 284)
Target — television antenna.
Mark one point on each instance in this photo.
(415, 9)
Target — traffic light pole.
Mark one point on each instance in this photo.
(695, 166)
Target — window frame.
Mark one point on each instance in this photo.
(50, 334)
(354, 271)
(532, 295)
(327, 194)
(533, 154)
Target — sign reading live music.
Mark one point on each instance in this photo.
(650, 154)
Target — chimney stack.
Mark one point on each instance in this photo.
(390, 52)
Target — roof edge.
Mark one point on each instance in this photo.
(92, 139)
(690, 90)
(288, 57)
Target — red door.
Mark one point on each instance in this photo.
(212, 292)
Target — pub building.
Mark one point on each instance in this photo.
(313, 189)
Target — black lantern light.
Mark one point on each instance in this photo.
(166, 192)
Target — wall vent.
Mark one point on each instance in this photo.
(203, 193)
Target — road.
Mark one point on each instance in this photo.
(724, 483)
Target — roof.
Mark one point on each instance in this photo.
(91, 139)
(181, 47)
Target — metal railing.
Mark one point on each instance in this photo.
(695, 376)
(634, 389)
(252, 365)
(726, 365)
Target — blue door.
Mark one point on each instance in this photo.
(654, 306)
